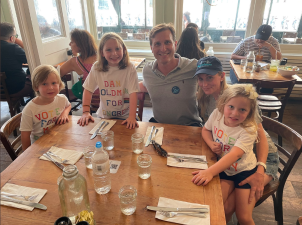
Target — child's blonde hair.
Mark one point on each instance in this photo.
(41, 73)
(102, 63)
(243, 90)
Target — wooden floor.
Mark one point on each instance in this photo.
(263, 214)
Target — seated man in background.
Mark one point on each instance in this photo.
(169, 80)
(262, 41)
(12, 58)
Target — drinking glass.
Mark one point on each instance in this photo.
(127, 195)
(137, 143)
(88, 151)
(243, 63)
(108, 139)
(144, 162)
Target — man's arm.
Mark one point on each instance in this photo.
(142, 87)
(233, 56)
(19, 42)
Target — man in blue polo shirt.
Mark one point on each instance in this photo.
(169, 80)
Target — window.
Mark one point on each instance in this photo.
(218, 20)
(285, 18)
(120, 17)
(74, 14)
(48, 18)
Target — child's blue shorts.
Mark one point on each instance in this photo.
(237, 178)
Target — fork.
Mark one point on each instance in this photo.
(194, 160)
(55, 155)
(26, 197)
(173, 214)
(153, 139)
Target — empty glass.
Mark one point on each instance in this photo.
(127, 195)
(88, 151)
(108, 139)
(137, 143)
(144, 162)
(242, 64)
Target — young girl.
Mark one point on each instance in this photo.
(117, 81)
(232, 130)
(48, 108)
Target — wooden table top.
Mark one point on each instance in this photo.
(165, 181)
(244, 77)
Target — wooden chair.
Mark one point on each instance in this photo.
(13, 104)
(68, 92)
(95, 104)
(13, 148)
(299, 221)
(275, 188)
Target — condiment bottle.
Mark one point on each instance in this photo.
(210, 52)
(73, 193)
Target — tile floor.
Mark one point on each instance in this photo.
(263, 214)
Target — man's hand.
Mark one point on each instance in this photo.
(264, 44)
(257, 185)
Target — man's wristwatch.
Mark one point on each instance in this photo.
(262, 164)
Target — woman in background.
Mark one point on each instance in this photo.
(188, 45)
(82, 42)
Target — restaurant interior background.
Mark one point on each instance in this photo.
(224, 24)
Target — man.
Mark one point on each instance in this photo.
(12, 58)
(270, 48)
(169, 80)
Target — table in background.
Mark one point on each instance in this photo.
(244, 77)
(165, 181)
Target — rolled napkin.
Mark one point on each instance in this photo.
(71, 155)
(158, 138)
(108, 127)
(173, 162)
(182, 219)
(22, 190)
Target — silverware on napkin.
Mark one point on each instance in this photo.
(54, 161)
(168, 209)
(31, 204)
(103, 127)
(150, 136)
(187, 158)
(97, 131)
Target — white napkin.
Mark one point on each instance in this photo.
(182, 219)
(173, 162)
(158, 138)
(71, 155)
(22, 190)
(108, 127)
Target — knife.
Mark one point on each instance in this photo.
(54, 161)
(150, 137)
(97, 131)
(32, 204)
(168, 209)
(187, 157)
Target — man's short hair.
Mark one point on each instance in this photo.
(6, 30)
(162, 27)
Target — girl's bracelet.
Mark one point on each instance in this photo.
(86, 105)
(86, 112)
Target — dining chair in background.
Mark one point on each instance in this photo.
(275, 102)
(95, 104)
(13, 103)
(68, 92)
(288, 158)
(13, 148)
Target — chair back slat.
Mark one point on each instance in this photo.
(282, 161)
(284, 152)
(9, 126)
(280, 171)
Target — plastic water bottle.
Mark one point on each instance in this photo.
(101, 170)
(250, 62)
(210, 52)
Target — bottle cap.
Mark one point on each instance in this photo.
(98, 144)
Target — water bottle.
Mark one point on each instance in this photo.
(73, 193)
(250, 61)
(101, 170)
(210, 52)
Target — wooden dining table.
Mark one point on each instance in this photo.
(244, 77)
(169, 182)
